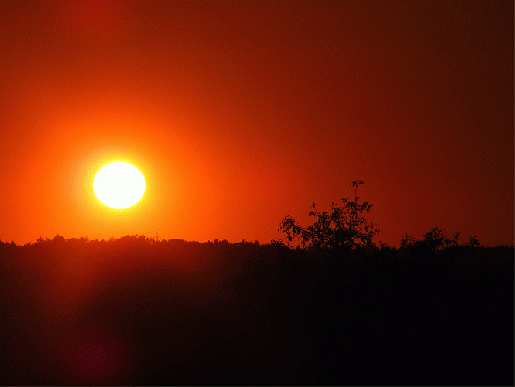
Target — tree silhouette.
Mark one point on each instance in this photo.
(436, 239)
(473, 242)
(345, 227)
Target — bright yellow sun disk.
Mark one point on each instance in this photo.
(119, 185)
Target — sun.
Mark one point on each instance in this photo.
(119, 185)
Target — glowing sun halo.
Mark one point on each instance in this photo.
(119, 185)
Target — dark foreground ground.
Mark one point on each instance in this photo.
(135, 311)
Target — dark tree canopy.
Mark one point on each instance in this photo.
(345, 226)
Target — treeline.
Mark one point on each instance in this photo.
(325, 306)
(137, 310)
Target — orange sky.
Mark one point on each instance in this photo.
(239, 113)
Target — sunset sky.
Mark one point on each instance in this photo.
(241, 112)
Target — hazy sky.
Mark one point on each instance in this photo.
(241, 112)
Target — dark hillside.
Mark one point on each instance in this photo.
(138, 311)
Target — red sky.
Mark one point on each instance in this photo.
(239, 113)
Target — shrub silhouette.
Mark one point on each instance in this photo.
(344, 228)
(435, 239)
